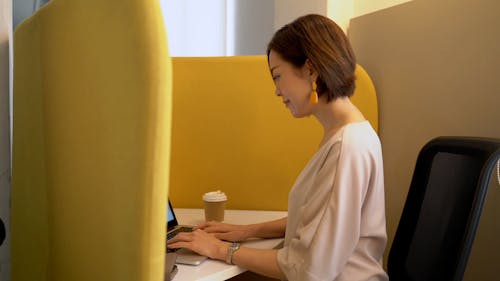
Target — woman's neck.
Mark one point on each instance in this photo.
(335, 115)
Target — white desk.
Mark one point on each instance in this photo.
(212, 270)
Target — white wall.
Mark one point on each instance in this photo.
(195, 28)
(244, 27)
(361, 7)
(341, 11)
(5, 89)
(218, 27)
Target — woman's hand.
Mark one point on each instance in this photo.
(227, 232)
(200, 242)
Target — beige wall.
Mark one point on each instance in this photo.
(435, 66)
(288, 10)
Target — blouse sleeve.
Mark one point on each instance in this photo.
(329, 227)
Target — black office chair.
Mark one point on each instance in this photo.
(2, 232)
(442, 210)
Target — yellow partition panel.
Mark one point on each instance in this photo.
(230, 132)
(365, 97)
(92, 115)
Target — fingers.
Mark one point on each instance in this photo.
(182, 236)
(198, 241)
(224, 231)
(218, 227)
(183, 240)
(209, 224)
(189, 236)
(214, 229)
(178, 245)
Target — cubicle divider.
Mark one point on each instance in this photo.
(232, 133)
(92, 112)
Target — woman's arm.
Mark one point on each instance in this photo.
(231, 232)
(263, 262)
(257, 260)
(270, 229)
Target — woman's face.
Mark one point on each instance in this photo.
(293, 84)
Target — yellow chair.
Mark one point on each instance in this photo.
(92, 113)
(230, 132)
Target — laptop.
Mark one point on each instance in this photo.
(184, 256)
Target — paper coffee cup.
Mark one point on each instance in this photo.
(215, 205)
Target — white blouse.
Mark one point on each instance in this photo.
(336, 213)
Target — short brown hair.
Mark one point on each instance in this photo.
(321, 41)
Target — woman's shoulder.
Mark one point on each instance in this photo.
(356, 137)
(359, 136)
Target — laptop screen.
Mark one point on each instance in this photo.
(171, 220)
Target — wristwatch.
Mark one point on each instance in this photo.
(230, 251)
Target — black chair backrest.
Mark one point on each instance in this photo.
(440, 217)
(2, 232)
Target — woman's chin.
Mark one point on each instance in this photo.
(298, 114)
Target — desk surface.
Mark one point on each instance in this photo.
(212, 270)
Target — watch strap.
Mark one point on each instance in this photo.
(230, 251)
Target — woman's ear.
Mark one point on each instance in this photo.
(311, 70)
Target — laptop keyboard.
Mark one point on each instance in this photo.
(171, 235)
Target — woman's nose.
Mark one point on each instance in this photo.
(277, 92)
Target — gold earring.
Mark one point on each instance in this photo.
(313, 99)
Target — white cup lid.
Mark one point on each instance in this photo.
(214, 196)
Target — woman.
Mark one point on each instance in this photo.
(335, 229)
